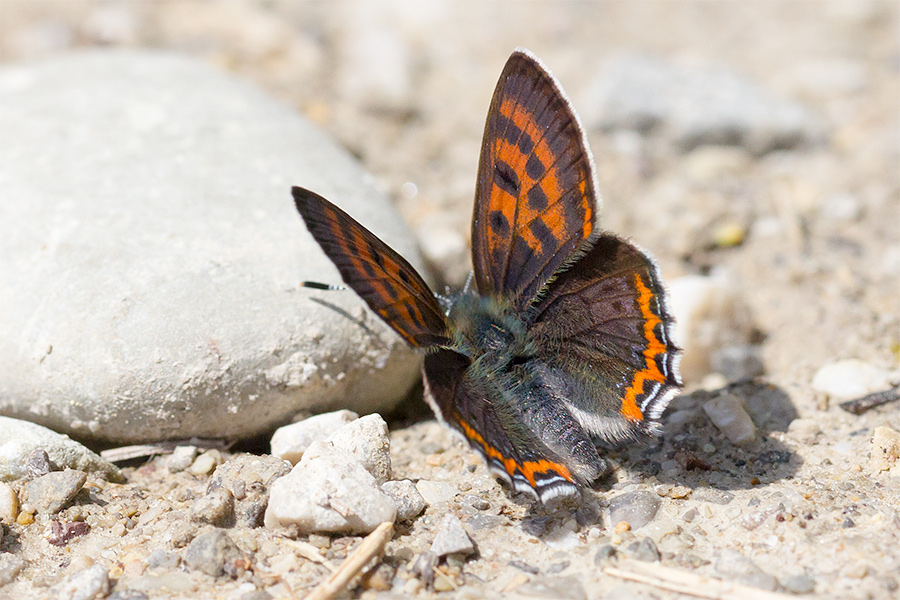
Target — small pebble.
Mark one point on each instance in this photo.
(86, 584)
(213, 553)
(451, 538)
(63, 531)
(366, 439)
(731, 564)
(851, 378)
(161, 559)
(690, 515)
(523, 566)
(291, 441)
(52, 492)
(799, 584)
(205, 463)
(10, 566)
(606, 552)
(215, 508)
(636, 508)
(181, 458)
(435, 492)
(647, 551)
(9, 503)
(855, 570)
(38, 464)
(729, 414)
(409, 501)
(885, 451)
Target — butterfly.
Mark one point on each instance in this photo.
(566, 341)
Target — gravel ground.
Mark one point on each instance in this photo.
(805, 232)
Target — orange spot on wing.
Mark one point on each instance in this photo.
(528, 469)
(655, 347)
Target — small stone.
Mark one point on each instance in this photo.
(86, 584)
(523, 566)
(729, 234)
(9, 503)
(409, 501)
(885, 449)
(213, 553)
(713, 496)
(366, 439)
(63, 531)
(161, 559)
(181, 458)
(328, 491)
(732, 564)
(855, 570)
(738, 362)
(20, 439)
(248, 478)
(635, 508)
(606, 552)
(799, 584)
(482, 522)
(729, 415)
(690, 515)
(291, 441)
(425, 565)
(647, 551)
(851, 378)
(38, 463)
(52, 492)
(205, 463)
(435, 492)
(451, 538)
(215, 507)
(10, 566)
(804, 431)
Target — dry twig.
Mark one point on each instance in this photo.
(371, 546)
(690, 584)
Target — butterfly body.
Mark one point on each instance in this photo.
(567, 339)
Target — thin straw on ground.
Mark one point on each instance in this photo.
(370, 547)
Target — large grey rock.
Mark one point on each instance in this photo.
(19, 440)
(152, 255)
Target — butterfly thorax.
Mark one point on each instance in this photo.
(489, 330)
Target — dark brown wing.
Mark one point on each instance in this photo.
(381, 277)
(535, 194)
(605, 321)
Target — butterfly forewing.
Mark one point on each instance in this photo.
(535, 194)
(381, 277)
(605, 320)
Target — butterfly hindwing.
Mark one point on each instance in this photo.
(379, 275)
(605, 321)
(535, 196)
(496, 424)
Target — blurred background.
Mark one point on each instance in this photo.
(757, 142)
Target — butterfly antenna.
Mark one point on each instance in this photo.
(322, 286)
(469, 279)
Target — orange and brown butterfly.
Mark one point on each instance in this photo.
(567, 340)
